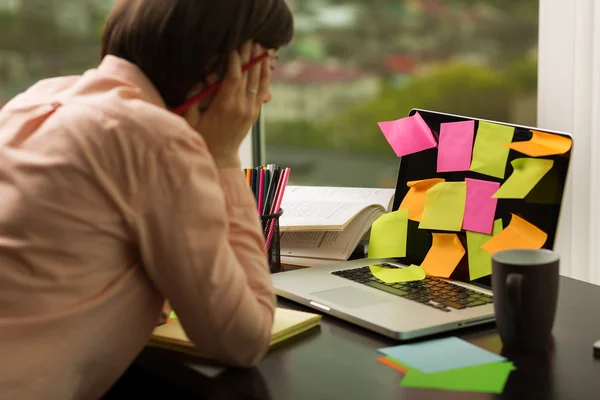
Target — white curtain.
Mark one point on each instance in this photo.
(569, 101)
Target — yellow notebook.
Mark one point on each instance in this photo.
(287, 324)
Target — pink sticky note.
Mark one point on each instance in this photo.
(480, 207)
(456, 146)
(408, 135)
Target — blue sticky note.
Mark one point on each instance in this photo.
(441, 355)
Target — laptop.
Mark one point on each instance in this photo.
(404, 311)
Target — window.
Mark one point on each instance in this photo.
(43, 38)
(354, 63)
(46, 38)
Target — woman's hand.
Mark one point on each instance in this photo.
(234, 108)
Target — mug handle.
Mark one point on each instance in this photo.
(514, 285)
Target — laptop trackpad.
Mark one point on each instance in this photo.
(350, 297)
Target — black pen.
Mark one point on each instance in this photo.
(272, 189)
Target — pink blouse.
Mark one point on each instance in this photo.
(109, 204)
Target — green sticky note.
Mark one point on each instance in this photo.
(444, 208)
(480, 261)
(173, 315)
(485, 378)
(388, 235)
(490, 153)
(397, 275)
(527, 172)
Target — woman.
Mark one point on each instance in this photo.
(111, 203)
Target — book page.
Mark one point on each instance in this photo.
(326, 215)
(331, 245)
(367, 196)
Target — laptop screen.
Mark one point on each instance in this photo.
(540, 207)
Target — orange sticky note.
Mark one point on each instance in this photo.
(543, 144)
(414, 201)
(444, 255)
(519, 234)
(389, 363)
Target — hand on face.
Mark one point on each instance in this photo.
(227, 119)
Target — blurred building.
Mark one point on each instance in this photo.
(308, 90)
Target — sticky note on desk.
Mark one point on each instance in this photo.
(519, 234)
(480, 207)
(485, 378)
(444, 255)
(172, 317)
(527, 172)
(391, 363)
(490, 153)
(543, 144)
(440, 355)
(408, 135)
(388, 235)
(480, 261)
(414, 201)
(456, 146)
(445, 207)
(398, 275)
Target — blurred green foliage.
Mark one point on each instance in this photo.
(453, 87)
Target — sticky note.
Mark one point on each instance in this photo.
(519, 234)
(445, 207)
(456, 146)
(388, 235)
(480, 207)
(444, 255)
(543, 144)
(440, 355)
(408, 135)
(485, 378)
(414, 201)
(480, 261)
(397, 275)
(527, 172)
(490, 153)
(388, 362)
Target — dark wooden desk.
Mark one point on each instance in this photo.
(338, 362)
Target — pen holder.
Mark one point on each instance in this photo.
(270, 225)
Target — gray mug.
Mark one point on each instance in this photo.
(525, 288)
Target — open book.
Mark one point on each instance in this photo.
(329, 222)
(287, 324)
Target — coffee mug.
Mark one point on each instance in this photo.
(525, 289)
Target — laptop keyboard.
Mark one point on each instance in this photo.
(433, 292)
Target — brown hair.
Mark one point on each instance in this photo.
(178, 43)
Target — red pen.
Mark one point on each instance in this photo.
(213, 88)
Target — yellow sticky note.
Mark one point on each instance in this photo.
(444, 255)
(414, 201)
(388, 235)
(397, 275)
(527, 172)
(480, 261)
(519, 234)
(445, 207)
(490, 153)
(543, 144)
